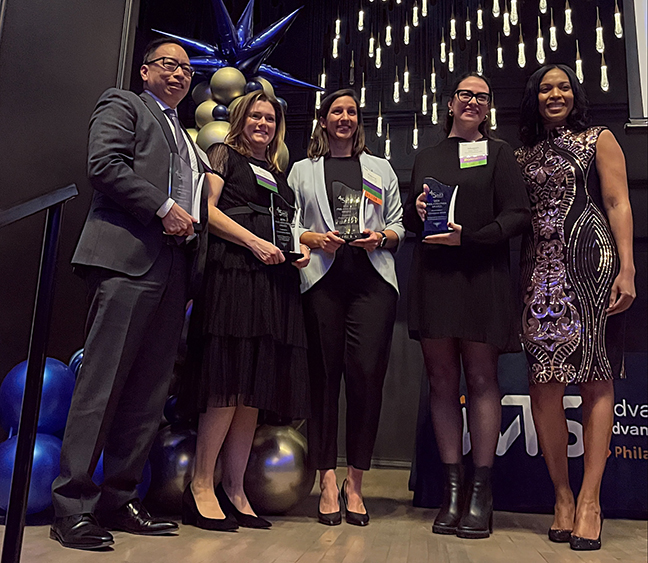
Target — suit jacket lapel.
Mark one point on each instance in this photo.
(319, 186)
(154, 108)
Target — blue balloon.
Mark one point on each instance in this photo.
(45, 468)
(75, 362)
(220, 112)
(58, 386)
(142, 488)
(253, 86)
(283, 103)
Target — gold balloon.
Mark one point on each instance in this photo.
(226, 84)
(267, 87)
(204, 113)
(233, 104)
(283, 156)
(212, 133)
(201, 93)
(193, 134)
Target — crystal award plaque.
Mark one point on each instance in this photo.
(439, 207)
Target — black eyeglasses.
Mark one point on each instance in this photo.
(171, 65)
(483, 98)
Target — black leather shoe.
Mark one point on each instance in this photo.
(355, 518)
(453, 500)
(583, 544)
(477, 518)
(330, 518)
(191, 515)
(244, 520)
(135, 519)
(559, 536)
(80, 531)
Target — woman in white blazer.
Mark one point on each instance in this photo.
(350, 293)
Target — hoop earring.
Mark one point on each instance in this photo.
(450, 112)
(486, 117)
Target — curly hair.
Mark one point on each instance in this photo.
(532, 129)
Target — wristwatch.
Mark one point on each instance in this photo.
(383, 242)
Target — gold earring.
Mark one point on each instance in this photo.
(450, 112)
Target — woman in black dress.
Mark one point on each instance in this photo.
(578, 274)
(461, 306)
(252, 344)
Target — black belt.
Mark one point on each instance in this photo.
(245, 209)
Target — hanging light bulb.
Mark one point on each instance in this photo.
(433, 79)
(521, 55)
(553, 38)
(338, 26)
(468, 30)
(363, 93)
(378, 53)
(424, 8)
(605, 83)
(396, 95)
(480, 61)
(600, 45)
(387, 145)
(451, 59)
(542, 6)
(480, 17)
(318, 99)
(514, 12)
(453, 26)
(442, 49)
(424, 100)
(435, 110)
(493, 119)
(335, 52)
(398, 2)
(415, 15)
(500, 54)
(361, 16)
(372, 1)
(496, 8)
(569, 26)
(406, 32)
(379, 121)
(323, 76)
(388, 35)
(540, 52)
(415, 134)
(372, 45)
(579, 64)
(506, 23)
(618, 29)
(406, 77)
(352, 70)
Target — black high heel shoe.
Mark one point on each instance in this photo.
(330, 518)
(559, 536)
(477, 518)
(192, 516)
(449, 514)
(583, 544)
(355, 518)
(244, 520)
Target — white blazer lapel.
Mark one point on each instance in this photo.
(319, 186)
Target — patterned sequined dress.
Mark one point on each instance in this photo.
(568, 265)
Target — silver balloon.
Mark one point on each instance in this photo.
(201, 93)
(204, 113)
(172, 465)
(226, 84)
(277, 476)
(267, 87)
(212, 133)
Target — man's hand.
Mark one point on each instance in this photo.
(178, 222)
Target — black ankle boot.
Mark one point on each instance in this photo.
(453, 500)
(477, 518)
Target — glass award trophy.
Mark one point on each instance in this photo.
(346, 211)
(439, 207)
(285, 227)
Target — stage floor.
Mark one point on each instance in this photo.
(398, 533)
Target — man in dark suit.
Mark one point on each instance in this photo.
(137, 277)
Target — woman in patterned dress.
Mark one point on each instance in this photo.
(577, 273)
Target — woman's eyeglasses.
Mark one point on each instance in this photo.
(483, 98)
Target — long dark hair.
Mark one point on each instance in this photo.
(484, 126)
(532, 129)
(319, 145)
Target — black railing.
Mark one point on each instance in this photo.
(53, 203)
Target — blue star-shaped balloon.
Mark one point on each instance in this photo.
(238, 47)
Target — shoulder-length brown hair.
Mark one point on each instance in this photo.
(319, 144)
(237, 140)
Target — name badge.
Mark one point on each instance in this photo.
(473, 154)
(264, 178)
(372, 186)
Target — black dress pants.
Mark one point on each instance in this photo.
(133, 329)
(349, 316)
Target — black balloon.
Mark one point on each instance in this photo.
(220, 113)
(253, 86)
(283, 103)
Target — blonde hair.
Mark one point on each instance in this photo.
(237, 140)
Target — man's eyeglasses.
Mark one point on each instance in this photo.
(171, 65)
(483, 98)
